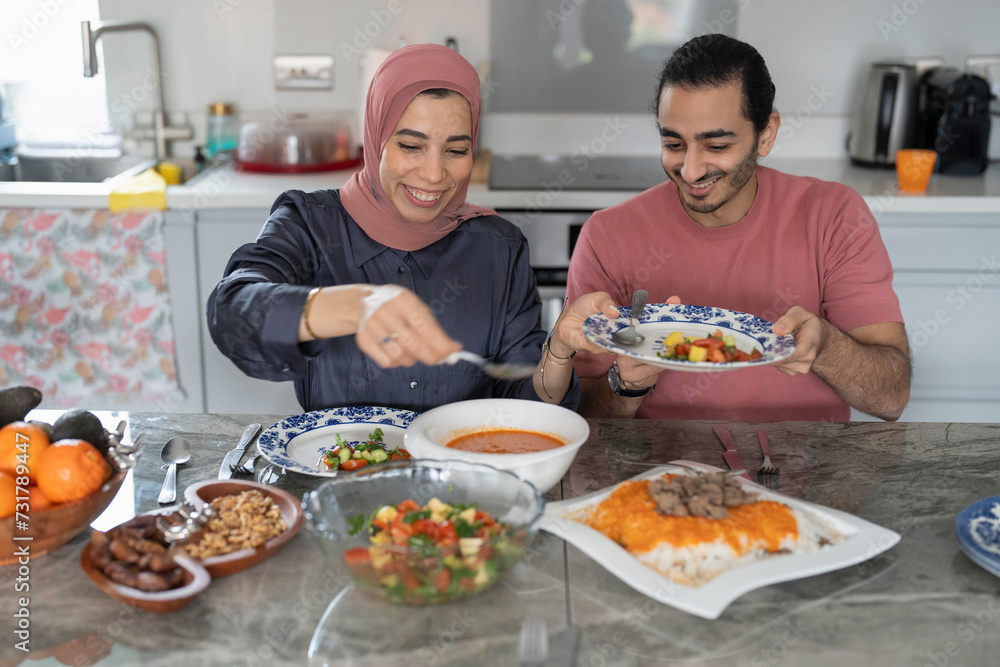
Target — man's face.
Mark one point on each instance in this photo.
(709, 149)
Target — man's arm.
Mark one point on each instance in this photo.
(868, 367)
(597, 399)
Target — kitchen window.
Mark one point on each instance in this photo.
(41, 70)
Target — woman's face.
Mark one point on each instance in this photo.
(428, 156)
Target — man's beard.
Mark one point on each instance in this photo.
(736, 179)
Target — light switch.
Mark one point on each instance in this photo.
(312, 72)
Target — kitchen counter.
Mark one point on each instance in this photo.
(224, 187)
(922, 601)
(227, 188)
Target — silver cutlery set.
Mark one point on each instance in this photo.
(177, 451)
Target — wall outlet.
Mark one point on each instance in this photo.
(312, 72)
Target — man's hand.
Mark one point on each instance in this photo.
(809, 332)
(868, 367)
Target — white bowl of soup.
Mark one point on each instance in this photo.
(531, 439)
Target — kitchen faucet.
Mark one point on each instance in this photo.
(161, 132)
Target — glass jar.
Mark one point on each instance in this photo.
(222, 131)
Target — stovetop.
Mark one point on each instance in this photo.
(575, 172)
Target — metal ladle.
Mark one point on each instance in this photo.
(176, 450)
(629, 335)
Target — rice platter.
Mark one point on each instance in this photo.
(692, 528)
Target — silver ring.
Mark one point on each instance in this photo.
(391, 337)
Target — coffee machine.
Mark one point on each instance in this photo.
(887, 117)
(953, 119)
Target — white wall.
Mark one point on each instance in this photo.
(818, 51)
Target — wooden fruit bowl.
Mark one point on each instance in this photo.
(56, 525)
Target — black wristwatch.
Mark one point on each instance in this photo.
(615, 380)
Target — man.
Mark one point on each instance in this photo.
(725, 232)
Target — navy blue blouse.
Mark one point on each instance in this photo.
(476, 280)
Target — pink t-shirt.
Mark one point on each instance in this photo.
(804, 242)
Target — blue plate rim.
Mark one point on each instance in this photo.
(273, 440)
(984, 559)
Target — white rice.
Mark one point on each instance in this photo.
(698, 564)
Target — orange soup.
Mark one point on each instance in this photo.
(505, 441)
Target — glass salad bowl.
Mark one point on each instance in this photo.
(424, 532)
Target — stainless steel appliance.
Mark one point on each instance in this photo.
(551, 237)
(886, 120)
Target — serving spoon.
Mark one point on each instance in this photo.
(176, 450)
(629, 335)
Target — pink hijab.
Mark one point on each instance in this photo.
(405, 73)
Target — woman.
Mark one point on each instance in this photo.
(397, 258)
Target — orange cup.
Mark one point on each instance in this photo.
(913, 168)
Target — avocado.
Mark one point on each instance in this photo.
(81, 424)
(17, 402)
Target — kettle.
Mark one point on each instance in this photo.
(887, 118)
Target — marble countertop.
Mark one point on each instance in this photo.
(922, 601)
(224, 187)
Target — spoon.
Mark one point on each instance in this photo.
(176, 450)
(628, 335)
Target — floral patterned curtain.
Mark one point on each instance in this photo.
(84, 308)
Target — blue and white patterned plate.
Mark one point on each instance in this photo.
(978, 530)
(298, 443)
(659, 320)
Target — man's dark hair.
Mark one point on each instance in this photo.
(708, 61)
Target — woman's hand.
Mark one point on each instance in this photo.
(396, 328)
(390, 323)
(567, 334)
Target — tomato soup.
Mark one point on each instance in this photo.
(505, 441)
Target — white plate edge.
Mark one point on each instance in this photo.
(711, 599)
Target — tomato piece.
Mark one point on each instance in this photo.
(427, 527)
(441, 580)
(409, 579)
(683, 349)
(716, 355)
(709, 343)
(484, 518)
(353, 464)
(467, 584)
(741, 356)
(446, 534)
(400, 532)
(401, 454)
(357, 556)
(408, 505)
(756, 354)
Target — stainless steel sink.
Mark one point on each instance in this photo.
(70, 168)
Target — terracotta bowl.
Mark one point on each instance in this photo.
(199, 573)
(196, 579)
(237, 561)
(53, 527)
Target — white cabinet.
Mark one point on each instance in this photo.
(947, 276)
(227, 388)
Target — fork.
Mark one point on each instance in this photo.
(533, 644)
(499, 371)
(248, 465)
(766, 468)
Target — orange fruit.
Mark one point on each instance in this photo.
(37, 500)
(70, 470)
(21, 443)
(7, 497)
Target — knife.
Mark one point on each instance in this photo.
(731, 456)
(234, 455)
